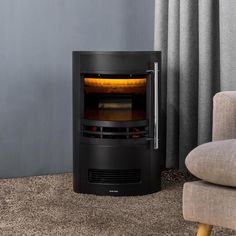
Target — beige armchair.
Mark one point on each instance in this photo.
(212, 200)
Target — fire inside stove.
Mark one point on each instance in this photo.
(115, 99)
(120, 86)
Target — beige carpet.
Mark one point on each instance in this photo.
(47, 205)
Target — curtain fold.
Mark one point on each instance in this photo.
(187, 33)
(173, 84)
(209, 65)
(161, 19)
(188, 69)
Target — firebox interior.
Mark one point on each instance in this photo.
(115, 98)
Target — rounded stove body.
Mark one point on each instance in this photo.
(116, 123)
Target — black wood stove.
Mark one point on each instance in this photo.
(116, 122)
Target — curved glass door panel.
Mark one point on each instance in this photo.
(115, 99)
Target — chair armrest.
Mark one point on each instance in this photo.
(224, 116)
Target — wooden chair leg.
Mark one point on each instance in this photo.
(204, 230)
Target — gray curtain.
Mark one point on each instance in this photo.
(187, 33)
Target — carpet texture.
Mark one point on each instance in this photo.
(47, 205)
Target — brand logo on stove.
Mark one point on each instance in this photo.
(113, 191)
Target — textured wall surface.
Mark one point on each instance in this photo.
(228, 45)
(36, 41)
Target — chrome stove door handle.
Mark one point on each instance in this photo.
(156, 106)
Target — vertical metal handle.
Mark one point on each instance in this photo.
(156, 108)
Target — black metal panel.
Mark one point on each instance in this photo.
(115, 123)
(116, 157)
(114, 154)
(116, 62)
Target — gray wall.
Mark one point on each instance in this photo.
(36, 40)
(228, 44)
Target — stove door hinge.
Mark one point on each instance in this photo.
(149, 139)
(150, 71)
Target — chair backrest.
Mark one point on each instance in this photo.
(224, 116)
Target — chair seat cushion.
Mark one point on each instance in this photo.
(210, 204)
(214, 162)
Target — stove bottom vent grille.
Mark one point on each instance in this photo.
(114, 176)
